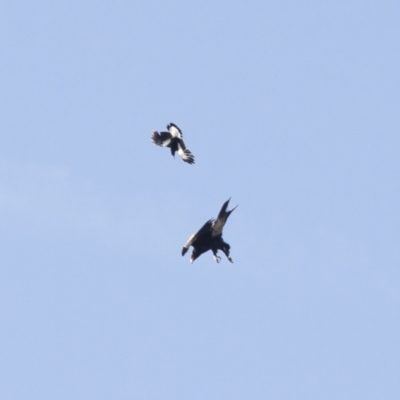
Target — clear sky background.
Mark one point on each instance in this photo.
(292, 108)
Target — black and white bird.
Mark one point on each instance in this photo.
(173, 140)
(209, 237)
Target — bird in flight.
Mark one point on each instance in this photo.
(209, 237)
(173, 140)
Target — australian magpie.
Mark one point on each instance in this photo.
(209, 237)
(173, 140)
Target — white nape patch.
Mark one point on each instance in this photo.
(217, 228)
(175, 132)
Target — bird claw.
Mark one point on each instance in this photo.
(217, 259)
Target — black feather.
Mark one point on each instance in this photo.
(209, 237)
(173, 140)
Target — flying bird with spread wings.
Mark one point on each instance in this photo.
(209, 237)
(173, 140)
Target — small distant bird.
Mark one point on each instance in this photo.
(173, 140)
(209, 237)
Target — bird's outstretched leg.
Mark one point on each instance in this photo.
(225, 249)
(216, 258)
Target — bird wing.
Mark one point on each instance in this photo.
(220, 222)
(174, 131)
(186, 154)
(203, 230)
(161, 139)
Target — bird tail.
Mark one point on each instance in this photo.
(223, 214)
(221, 219)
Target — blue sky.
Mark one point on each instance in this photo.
(290, 108)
